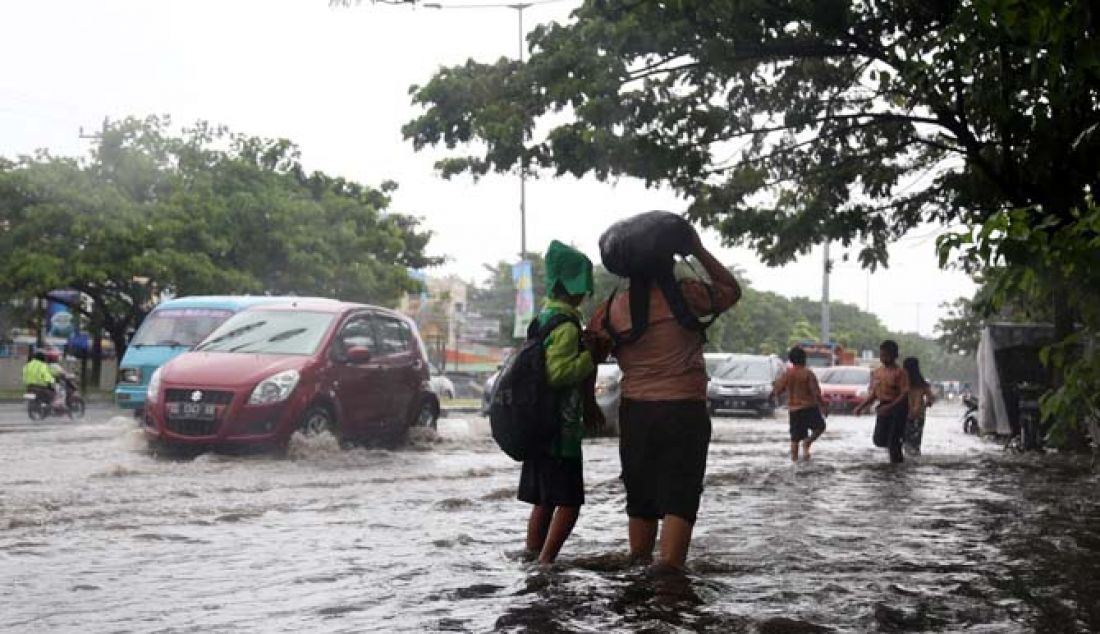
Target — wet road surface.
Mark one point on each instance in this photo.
(97, 535)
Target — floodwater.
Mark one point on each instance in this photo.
(97, 535)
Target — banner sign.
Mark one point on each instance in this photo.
(525, 298)
(60, 321)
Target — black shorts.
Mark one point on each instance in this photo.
(663, 449)
(804, 420)
(549, 481)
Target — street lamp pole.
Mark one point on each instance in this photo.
(519, 8)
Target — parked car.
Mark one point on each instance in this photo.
(608, 395)
(609, 378)
(715, 360)
(487, 392)
(357, 371)
(172, 328)
(442, 387)
(744, 383)
(843, 386)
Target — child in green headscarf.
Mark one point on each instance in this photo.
(553, 478)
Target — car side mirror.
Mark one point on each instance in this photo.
(357, 354)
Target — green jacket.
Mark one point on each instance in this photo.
(568, 364)
(37, 373)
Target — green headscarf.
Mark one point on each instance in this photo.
(568, 267)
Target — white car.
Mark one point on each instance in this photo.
(609, 378)
(443, 387)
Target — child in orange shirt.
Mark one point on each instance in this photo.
(805, 404)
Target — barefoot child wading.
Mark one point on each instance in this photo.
(553, 479)
(805, 403)
(890, 387)
(920, 398)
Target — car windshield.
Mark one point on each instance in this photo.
(270, 332)
(179, 326)
(713, 363)
(845, 376)
(745, 371)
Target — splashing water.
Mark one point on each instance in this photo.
(97, 533)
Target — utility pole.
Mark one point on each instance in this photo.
(519, 7)
(825, 335)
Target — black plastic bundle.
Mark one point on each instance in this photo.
(645, 245)
(643, 248)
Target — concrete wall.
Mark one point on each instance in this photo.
(11, 373)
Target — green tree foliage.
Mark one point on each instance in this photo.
(1046, 247)
(787, 123)
(207, 211)
(496, 298)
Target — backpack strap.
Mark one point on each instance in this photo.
(639, 312)
(639, 309)
(535, 331)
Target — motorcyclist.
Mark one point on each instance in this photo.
(38, 378)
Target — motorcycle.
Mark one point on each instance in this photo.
(970, 416)
(66, 401)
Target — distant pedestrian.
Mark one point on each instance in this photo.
(552, 479)
(920, 398)
(890, 388)
(804, 402)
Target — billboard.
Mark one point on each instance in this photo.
(525, 298)
(60, 321)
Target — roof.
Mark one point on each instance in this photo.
(319, 305)
(231, 302)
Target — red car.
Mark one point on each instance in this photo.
(843, 386)
(357, 371)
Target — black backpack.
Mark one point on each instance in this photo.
(523, 408)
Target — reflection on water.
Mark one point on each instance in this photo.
(96, 534)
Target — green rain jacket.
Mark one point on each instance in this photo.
(568, 364)
(37, 373)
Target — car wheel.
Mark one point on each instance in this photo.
(316, 421)
(427, 415)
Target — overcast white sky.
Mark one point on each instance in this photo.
(335, 81)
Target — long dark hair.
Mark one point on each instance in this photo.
(912, 368)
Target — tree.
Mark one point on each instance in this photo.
(207, 211)
(496, 298)
(787, 123)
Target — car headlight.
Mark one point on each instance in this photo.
(130, 375)
(275, 388)
(712, 389)
(153, 391)
(763, 388)
(861, 392)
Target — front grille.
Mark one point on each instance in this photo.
(212, 397)
(188, 416)
(189, 427)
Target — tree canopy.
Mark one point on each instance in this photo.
(205, 211)
(786, 122)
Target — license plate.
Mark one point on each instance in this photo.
(194, 411)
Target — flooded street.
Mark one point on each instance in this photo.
(97, 535)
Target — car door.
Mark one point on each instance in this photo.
(402, 368)
(357, 384)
